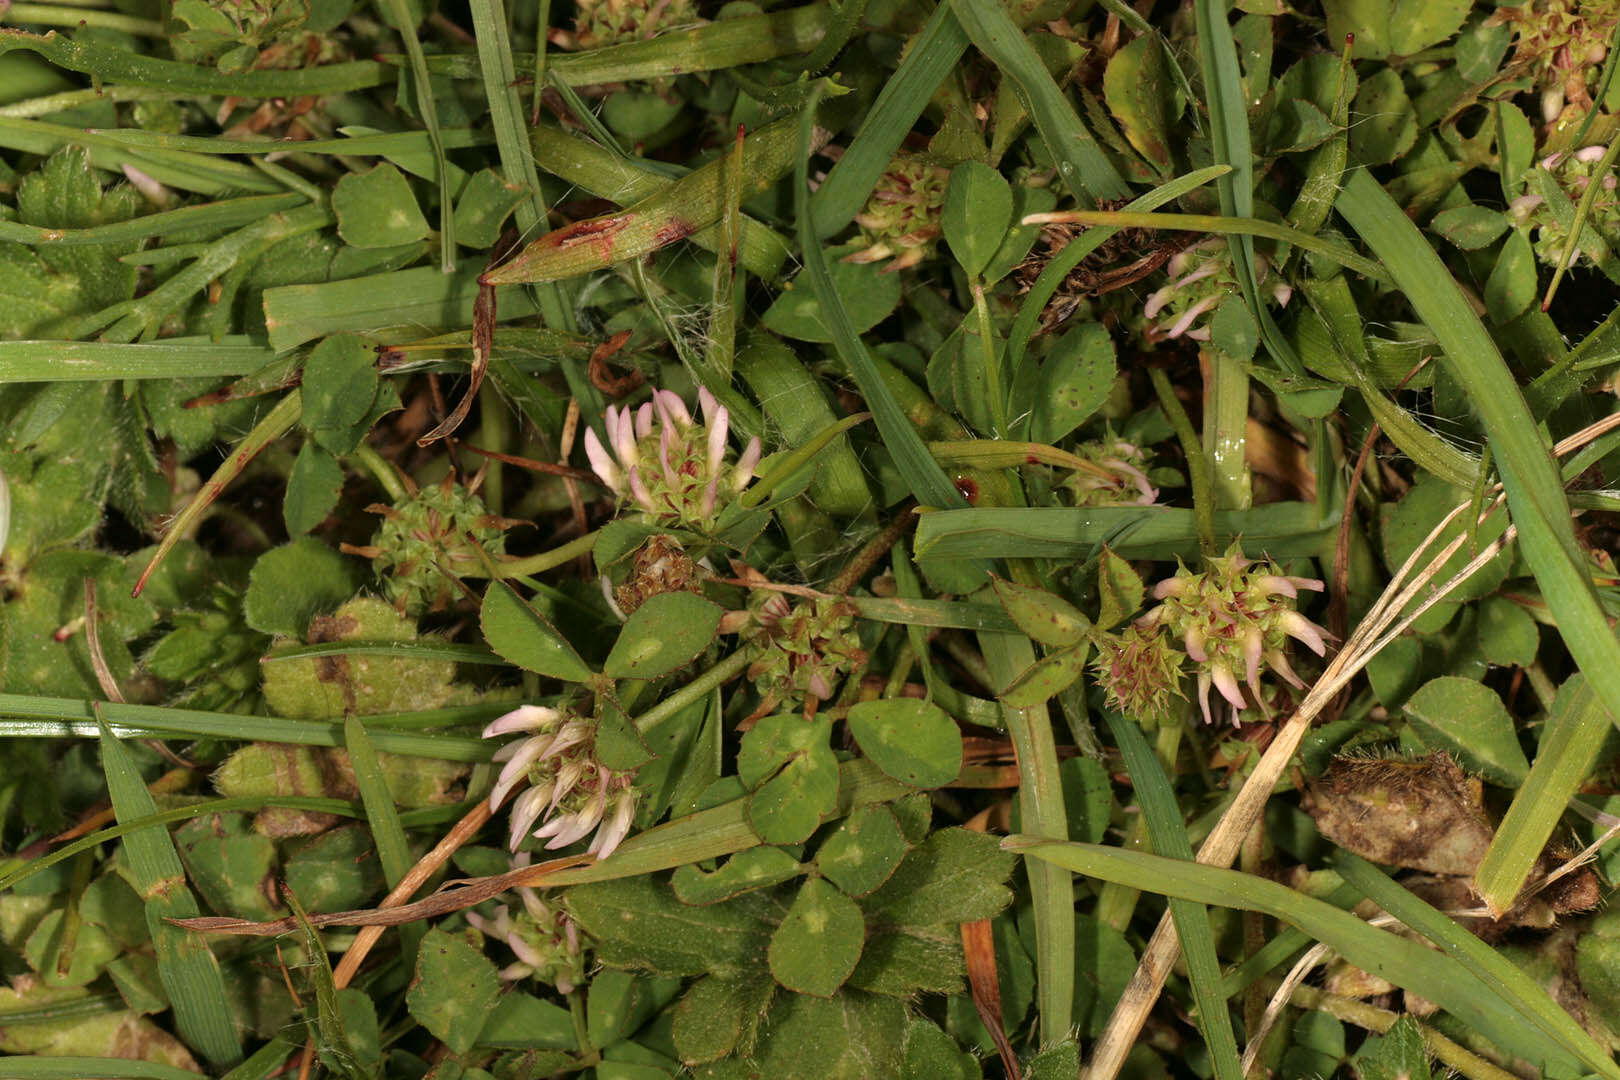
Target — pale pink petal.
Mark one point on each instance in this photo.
(664, 437)
(1302, 629)
(718, 428)
(524, 951)
(526, 810)
(706, 403)
(1279, 663)
(711, 493)
(616, 828)
(1203, 695)
(638, 491)
(1156, 301)
(1195, 644)
(1170, 586)
(1183, 324)
(1253, 648)
(602, 464)
(644, 420)
(1227, 685)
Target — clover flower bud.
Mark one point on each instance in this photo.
(901, 219)
(425, 538)
(1115, 474)
(805, 649)
(1140, 673)
(1199, 279)
(666, 464)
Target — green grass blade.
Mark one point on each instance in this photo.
(398, 13)
(383, 817)
(922, 474)
(934, 53)
(1284, 530)
(265, 1062)
(188, 172)
(114, 64)
(506, 116)
(694, 202)
(1530, 477)
(1169, 832)
(225, 214)
(1405, 963)
(626, 180)
(1225, 225)
(97, 361)
(1085, 168)
(22, 1067)
(1527, 998)
(187, 969)
(1569, 748)
(57, 718)
(1330, 299)
(1040, 800)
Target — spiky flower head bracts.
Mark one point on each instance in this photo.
(544, 939)
(1563, 42)
(900, 221)
(1232, 617)
(1116, 476)
(570, 793)
(805, 648)
(424, 540)
(609, 22)
(667, 464)
(1140, 673)
(1200, 278)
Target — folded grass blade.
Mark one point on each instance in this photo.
(186, 967)
(1438, 977)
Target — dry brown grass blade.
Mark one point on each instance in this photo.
(455, 896)
(979, 953)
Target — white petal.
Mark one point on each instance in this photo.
(517, 768)
(522, 718)
(746, 464)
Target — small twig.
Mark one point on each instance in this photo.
(868, 556)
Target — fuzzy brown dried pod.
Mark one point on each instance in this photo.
(1424, 815)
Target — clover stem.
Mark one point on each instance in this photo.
(385, 474)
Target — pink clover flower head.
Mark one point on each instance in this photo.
(1199, 278)
(1234, 619)
(664, 463)
(901, 219)
(570, 794)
